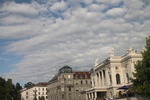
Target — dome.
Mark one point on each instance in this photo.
(65, 69)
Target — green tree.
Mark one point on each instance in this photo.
(35, 98)
(28, 85)
(141, 82)
(10, 89)
(17, 95)
(2, 89)
(42, 98)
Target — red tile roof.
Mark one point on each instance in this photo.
(41, 84)
(82, 75)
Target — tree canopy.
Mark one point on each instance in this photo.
(141, 82)
(8, 90)
(28, 85)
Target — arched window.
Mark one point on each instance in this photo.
(118, 79)
(110, 79)
(127, 75)
(86, 82)
(81, 82)
(62, 96)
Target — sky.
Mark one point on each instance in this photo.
(38, 37)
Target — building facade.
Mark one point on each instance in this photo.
(111, 74)
(37, 91)
(69, 85)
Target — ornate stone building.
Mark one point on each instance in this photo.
(38, 90)
(69, 85)
(111, 74)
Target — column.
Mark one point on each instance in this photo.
(107, 77)
(99, 79)
(92, 78)
(100, 85)
(95, 93)
(87, 96)
(102, 79)
(92, 95)
(95, 80)
(104, 75)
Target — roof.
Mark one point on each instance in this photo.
(66, 66)
(65, 69)
(55, 78)
(41, 84)
(82, 75)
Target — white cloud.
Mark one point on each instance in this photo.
(116, 12)
(97, 7)
(58, 6)
(76, 36)
(14, 8)
(109, 2)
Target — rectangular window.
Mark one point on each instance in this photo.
(69, 88)
(62, 96)
(86, 82)
(81, 82)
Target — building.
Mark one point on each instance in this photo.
(111, 74)
(69, 85)
(37, 91)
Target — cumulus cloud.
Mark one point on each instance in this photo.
(115, 12)
(56, 33)
(58, 6)
(14, 8)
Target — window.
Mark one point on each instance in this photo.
(39, 93)
(110, 79)
(118, 79)
(86, 82)
(81, 82)
(69, 88)
(43, 89)
(62, 96)
(127, 75)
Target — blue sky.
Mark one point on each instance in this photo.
(37, 37)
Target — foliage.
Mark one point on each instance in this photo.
(28, 85)
(42, 98)
(18, 87)
(141, 82)
(8, 90)
(35, 98)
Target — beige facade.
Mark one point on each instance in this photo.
(69, 85)
(111, 74)
(37, 91)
